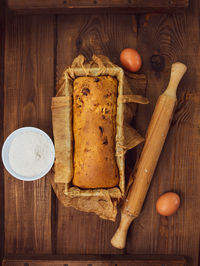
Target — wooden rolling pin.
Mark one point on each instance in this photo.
(155, 138)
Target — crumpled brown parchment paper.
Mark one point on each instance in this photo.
(101, 201)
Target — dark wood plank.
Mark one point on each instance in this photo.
(169, 38)
(28, 88)
(124, 260)
(63, 6)
(80, 232)
(29, 79)
(2, 39)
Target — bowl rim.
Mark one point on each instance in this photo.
(8, 142)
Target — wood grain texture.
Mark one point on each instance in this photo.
(2, 39)
(172, 38)
(60, 6)
(123, 260)
(87, 35)
(35, 223)
(28, 88)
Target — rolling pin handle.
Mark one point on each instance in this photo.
(177, 71)
(119, 238)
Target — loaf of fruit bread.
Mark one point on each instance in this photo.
(94, 129)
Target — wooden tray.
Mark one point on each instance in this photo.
(119, 6)
(125, 260)
(33, 53)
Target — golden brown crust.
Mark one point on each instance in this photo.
(94, 116)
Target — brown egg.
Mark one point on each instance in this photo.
(130, 60)
(168, 203)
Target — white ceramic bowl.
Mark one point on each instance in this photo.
(6, 147)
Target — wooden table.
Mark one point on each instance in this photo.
(32, 58)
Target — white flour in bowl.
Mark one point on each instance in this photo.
(29, 154)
